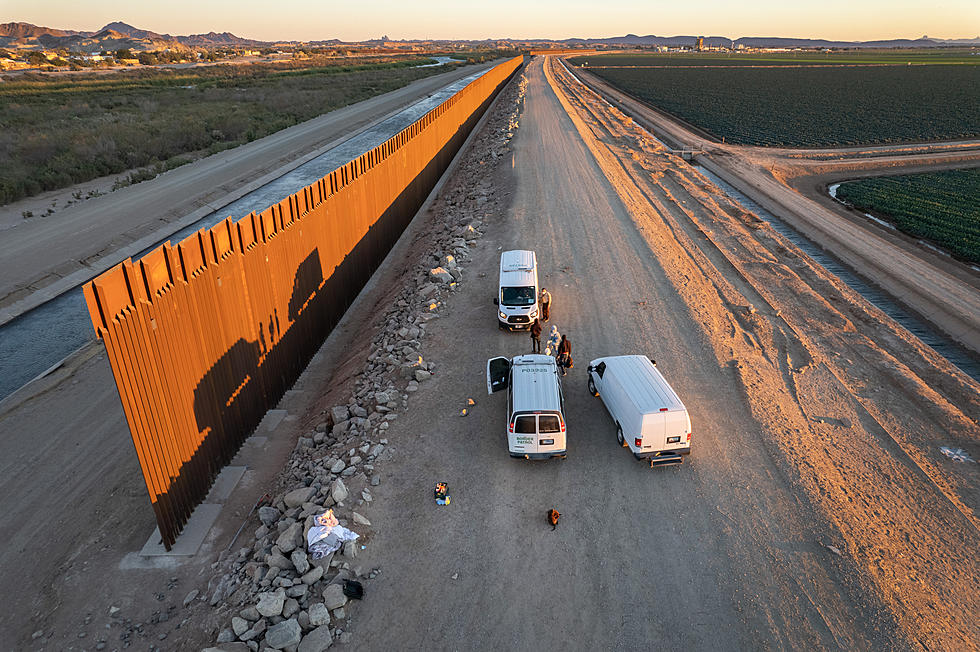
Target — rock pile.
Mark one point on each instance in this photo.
(278, 596)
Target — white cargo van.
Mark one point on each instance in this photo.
(517, 293)
(535, 406)
(650, 418)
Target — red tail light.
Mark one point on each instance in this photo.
(562, 422)
(689, 436)
(510, 427)
(639, 442)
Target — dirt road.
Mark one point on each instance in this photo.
(727, 551)
(43, 256)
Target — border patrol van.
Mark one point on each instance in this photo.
(517, 292)
(650, 418)
(535, 405)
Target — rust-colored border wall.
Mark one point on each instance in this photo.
(205, 336)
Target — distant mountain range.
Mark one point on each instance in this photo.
(111, 37)
(118, 35)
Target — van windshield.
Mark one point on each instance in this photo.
(525, 296)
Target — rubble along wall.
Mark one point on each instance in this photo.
(205, 336)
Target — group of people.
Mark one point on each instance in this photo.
(558, 345)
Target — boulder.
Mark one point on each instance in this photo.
(360, 519)
(333, 597)
(235, 646)
(338, 491)
(300, 561)
(422, 374)
(313, 576)
(339, 413)
(297, 497)
(276, 560)
(286, 633)
(269, 515)
(270, 604)
(291, 538)
(338, 466)
(240, 625)
(298, 591)
(255, 632)
(440, 274)
(319, 615)
(317, 640)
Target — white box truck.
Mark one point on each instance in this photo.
(517, 292)
(650, 418)
(535, 405)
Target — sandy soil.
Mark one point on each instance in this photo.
(815, 512)
(938, 289)
(832, 383)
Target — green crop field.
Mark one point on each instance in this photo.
(56, 131)
(942, 207)
(808, 58)
(810, 105)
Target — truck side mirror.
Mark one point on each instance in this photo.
(496, 301)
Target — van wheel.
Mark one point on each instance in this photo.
(619, 436)
(592, 389)
(500, 325)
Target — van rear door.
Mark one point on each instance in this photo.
(652, 432)
(677, 430)
(498, 374)
(523, 434)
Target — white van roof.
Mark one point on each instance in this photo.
(534, 384)
(517, 260)
(643, 383)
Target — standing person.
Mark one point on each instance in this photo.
(545, 300)
(565, 355)
(536, 337)
(554, 339)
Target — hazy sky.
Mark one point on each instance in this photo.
(357, 20)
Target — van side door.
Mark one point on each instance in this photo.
(498, 374)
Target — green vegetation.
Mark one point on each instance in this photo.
(802, 58)
(942, 207)
(58, 130)
(810, 106)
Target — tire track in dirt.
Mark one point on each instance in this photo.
(840, 392)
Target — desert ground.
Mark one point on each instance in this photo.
(816, 510)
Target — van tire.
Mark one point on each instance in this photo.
(592, 389)
(619, 435)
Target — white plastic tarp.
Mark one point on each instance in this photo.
(327, 535)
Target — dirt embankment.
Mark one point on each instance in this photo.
(855, 406)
